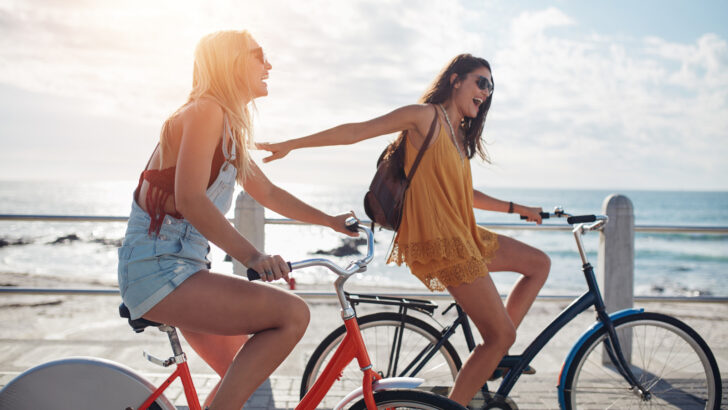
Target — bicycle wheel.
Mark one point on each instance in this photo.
(408, 399)
(668, 358)
(380, 333)
(80, 384)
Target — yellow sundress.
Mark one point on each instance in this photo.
(438, 238)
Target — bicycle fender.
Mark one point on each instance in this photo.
(382, 384)
(78, 383)
(593, 329)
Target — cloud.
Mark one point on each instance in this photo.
(568, 99)
(532, 24)
(637, 104)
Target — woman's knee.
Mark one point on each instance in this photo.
(297, 315)
(502, 335)
(544, 263)
(500, 340)
(507, 335)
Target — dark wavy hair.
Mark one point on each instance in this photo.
(441, 90)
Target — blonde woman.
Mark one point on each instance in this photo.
(180, 203)
(438, 238)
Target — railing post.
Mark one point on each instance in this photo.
(250, 222)
(615, 269)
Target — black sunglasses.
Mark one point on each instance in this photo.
(260, 55)
(484, 83)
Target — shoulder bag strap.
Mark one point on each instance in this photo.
(422, 148)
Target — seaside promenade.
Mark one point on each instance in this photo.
(38, 328)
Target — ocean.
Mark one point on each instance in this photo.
(666, 264)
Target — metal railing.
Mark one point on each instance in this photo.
(716, 230)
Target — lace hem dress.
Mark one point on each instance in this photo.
(438, 238)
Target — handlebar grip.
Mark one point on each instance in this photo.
(581, 219)
(254, 275)
(544, 215)
(352, 224)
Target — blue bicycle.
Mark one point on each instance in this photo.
(627, 359)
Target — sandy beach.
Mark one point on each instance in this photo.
(38, 328)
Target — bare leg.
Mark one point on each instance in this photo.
(534, 265)
(217, 351)
(210, 303)
(481, 301)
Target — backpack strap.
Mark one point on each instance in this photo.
(422, 148)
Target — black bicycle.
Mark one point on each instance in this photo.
(630, 358)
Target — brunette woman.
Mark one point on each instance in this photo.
(438, 238)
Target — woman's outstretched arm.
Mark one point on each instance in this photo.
(416, 116)
(283, 202)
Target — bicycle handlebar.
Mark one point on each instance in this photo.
(353, 267)
(575, 219)
(544, 215)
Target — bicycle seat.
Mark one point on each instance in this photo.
(137, 324)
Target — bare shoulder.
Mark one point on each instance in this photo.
(202, 116)
(419, 112)
(423, 114)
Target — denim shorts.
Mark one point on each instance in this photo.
(152, 266)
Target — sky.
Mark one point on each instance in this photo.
(589, 94)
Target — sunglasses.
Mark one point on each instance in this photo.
(484, 83)
(260, 55)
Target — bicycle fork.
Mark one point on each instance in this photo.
(616, 355)
(612, 345)
(611, 342)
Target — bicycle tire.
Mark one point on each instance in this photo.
(409, 399)
(669, 358)
(378, 333)
(80, 384)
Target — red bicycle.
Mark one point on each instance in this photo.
(92, 383)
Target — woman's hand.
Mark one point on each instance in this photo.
(338, 223)
(277, 150)
(531, 214)
(269, 267)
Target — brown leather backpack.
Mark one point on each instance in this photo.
(384, 201)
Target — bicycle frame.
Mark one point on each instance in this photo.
(351, 347)
(518, 363)
(353, 344)
(183, 372)
(592, 297)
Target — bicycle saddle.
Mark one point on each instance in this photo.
(137, 324)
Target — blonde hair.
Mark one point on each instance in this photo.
(220, 74)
